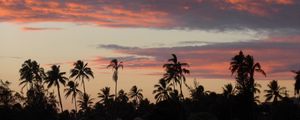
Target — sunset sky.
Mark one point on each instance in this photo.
(144, 33)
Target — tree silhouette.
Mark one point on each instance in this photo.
(297, 83)
(31, 73)
(175, 72)
(162, 91)
(122, 96)
(55, 78)
(105, 95)
(85, 102)
(6, 94)
(136, 95)
(115, 65)
(72, 90)
(275, 91)
(81, 71)
(229, 90)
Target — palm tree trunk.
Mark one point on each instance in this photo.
(58, 91)
(75, 107)
(83, 85)
(116, 89)
(181, 95)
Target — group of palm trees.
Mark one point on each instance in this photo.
(243, 68)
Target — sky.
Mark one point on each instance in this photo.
(144, 33)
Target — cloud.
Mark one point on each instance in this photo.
(278, 56)
(167, 14)
(39, 28)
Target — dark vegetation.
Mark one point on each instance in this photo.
(237, 102)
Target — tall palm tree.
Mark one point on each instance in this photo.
(162, 91)
(85, 102)
(297, 83)
(175, 72)
(115, 65)
(81, 71)
(105, 95)
(275, 91)
(136, 95)
(72, 90)
(229, 90)
(55, 78)
(31, 73)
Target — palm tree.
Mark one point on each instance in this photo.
(31, 73)
(162, 91)
(85, 102)
(229, 90)
(275, 91)
(72, 89)
(175, 72)
(105, 95)
(115, 65)
(55, 78)
(297, 83)
(122, 96)
(81, 71)
(136, 95)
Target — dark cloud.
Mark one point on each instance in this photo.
(277, 56)
(270, 15)
(39, 28)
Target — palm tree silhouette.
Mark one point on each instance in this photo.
(31, 73)
(72, 90)
(55, 78)
(105, 95)
(175, 72)
(229, 90)
(297, 83)
(115, 65)
(275, 91)
(136, 95)
(122, 96)
(85, 102)
(81, 71)
(162, 91)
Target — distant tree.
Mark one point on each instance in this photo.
(297, 83)
(115, 65)
(136, 95)
(105, 96)
(31, 73)
(175, 72)
(229, 90)
(6, 94)
(81, 71)
(197, 92)
(122, 96)
(72, 90)
(85, 102)
(55, 78)
(162, 91)
(275, 91)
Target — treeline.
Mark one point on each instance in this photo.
(237, 102)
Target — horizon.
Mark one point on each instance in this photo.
(144, 34)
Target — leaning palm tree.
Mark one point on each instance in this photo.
(175, 72)
(162, 91)
(115, 65)
(31, 73)
(275, 91)
(105, 95)
(297, 83)
(81, 71)
(136, 95)
(72, 90)
(85, 102)
(55, 78)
